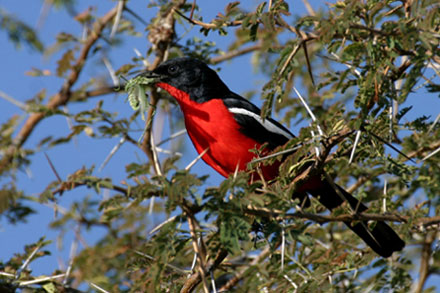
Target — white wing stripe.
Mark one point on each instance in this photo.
(265, 123)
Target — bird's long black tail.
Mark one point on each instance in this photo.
(381, 238)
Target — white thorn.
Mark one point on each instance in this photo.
(73, 249)
(26, 263)
(144, 61)
(117, 18)
(316, 147)
(384, 201)
(112, 152)
(431, 154)
(172, 136)
(291, 282)
(321, 133)
(214, 289)
(346, 64)
(283, 245)
(98, 288)
(111, 71)
(158, 227)
(40, 280)
(193, 162)
(356, 141)
(434, 123)
(151, 207)
(168, 152)
(13, 101)
(7, 275)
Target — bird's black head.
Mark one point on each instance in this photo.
(191, 76)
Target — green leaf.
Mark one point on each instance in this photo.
(64, 64)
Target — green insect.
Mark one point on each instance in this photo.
(137, 98)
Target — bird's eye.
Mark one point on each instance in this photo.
(173, 69)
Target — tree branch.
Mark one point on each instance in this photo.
(160, 36)
(199, 249)
(235, 53)
(278, 215)
(424, 260)
(196, 278)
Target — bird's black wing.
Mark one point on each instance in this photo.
(248, 116)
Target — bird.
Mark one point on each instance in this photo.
(225, 128)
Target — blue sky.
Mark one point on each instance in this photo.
(86, 151)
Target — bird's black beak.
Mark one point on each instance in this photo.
(151, 75)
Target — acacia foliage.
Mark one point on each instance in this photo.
(361, 66)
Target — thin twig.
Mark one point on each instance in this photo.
(290, 57)
(235, 53)
(309, 65)
(198, 246)
(173, 267)
(53, 168)
(360, 216)
(283, 152)
(208, 25)
(139, 18)
(425, 258)
(390, 145)
(193, 7)
(196, 278)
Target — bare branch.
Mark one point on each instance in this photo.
(208, 25)
(280, 215)
(198, 248)
(424, 260)
(196, 278)
(235, 53)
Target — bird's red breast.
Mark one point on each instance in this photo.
(210, 125)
